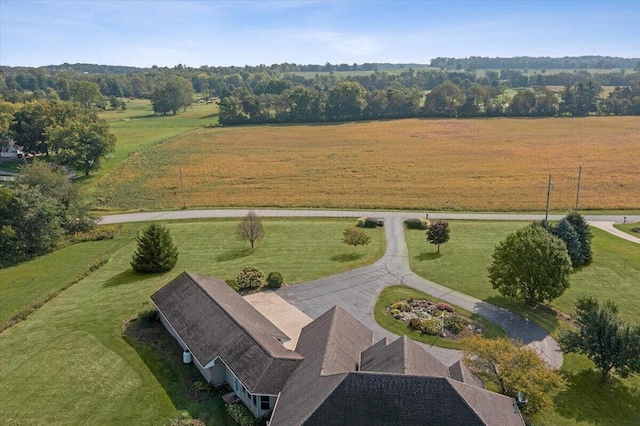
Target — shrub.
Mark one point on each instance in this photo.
(431, 326)
(414, 323)
(395, 313)
(455, 323)
(444, 307)
(417, 224)
(274, 279)
(636, 230)
(366, 222)
(249, 278)
(241, 414)
(99, 233)
(401, 306)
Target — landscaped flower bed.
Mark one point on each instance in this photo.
(436, 319)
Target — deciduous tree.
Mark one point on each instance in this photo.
(355, 237)
(531, 264)
(603, 337)
(156, 251)
(250, 229)
(514, 368)
(438, 233)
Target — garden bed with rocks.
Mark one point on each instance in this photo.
(435, 319)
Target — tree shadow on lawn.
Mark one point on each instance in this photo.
(183, 383)
(588, 400)
(125, 277)
(428, 256)
(542, 315)
(346, 257)
(234, 254)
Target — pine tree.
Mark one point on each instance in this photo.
(584, 235)
(156, 251)
(565, 231)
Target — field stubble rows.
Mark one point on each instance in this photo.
(478, 164)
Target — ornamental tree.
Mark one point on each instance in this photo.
(531, 264)
(602, 336)
(438, 233)
(355, 237)
(250, 229)
(156, 251)
(514, 368)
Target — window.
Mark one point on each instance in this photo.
(264, 403)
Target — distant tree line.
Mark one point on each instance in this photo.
(277, 94)
(539, 63)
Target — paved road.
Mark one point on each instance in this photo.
(196, 214)
(357, 290)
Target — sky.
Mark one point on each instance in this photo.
(144, 33)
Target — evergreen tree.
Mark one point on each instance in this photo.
(584, 235)
(156, 251)
(565, 231)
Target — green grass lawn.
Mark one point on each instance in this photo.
(69, 361)
(614, 274)
(627, 227)
(399, 292)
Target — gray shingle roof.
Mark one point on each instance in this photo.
(215, 321)
(403, 356)
(398, 383)
(461, 373)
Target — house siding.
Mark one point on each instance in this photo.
(220, 374)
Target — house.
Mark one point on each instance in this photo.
(338, 374)
(229, 340)
(11, 151)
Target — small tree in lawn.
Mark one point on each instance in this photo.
(249, 278)
(514, 368)
(156, 251)
(531, 264)
(355, 237)
(250, 229)
(603, 337)
(438, 233)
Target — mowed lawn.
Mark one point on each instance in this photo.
(614, 274)
(433, 164)
(69, 360)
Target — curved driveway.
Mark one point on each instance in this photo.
(357, 290)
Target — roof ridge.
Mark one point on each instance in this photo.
(249, 333)
(453, 383)
(405, 348)
(332, 323)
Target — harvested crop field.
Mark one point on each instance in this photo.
(458, 164)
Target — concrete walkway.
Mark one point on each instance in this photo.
(357, 292)
(608, 226)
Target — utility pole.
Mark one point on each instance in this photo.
(184, 203)
(546, 216)
(578, 192)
